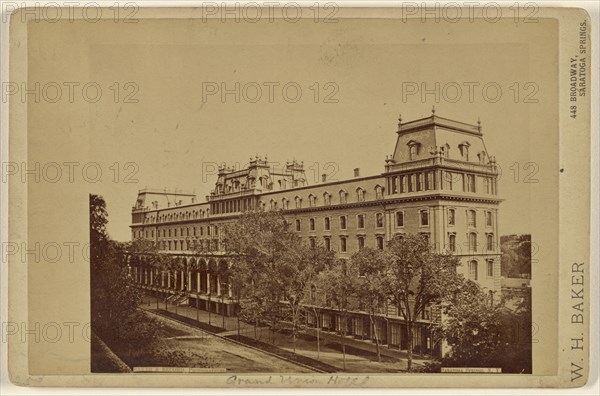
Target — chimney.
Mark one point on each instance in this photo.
(324, 177)
(356, 172)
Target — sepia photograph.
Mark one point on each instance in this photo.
(250, 195)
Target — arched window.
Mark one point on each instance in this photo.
(490, 268)
(285, 203)
(490, 242)
(313, 243)
(379, 220)
(380, 242)
(424, 217)
(472, 218)
(399, 219)
(473, 270)
(472, 241)
(361, 220)
(326, 198)
(312, 224)
(298, 225)
(327, 223)
(452, 242)
(451, 217)
(343, 244)
(343, 222)
(343, 197)
(298, 202)
(361, 242)
(328, 244)
(312, 200)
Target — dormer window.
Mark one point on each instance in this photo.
(378, 192)
(360, 194)
(464, 150)
(413, 149)
(343, 196)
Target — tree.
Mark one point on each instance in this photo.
(299, 270)
(417, 278)
(483, 333)
(339, 283)
(260, 245)
(114, 299)
(371, 290)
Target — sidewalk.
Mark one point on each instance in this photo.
(360, 355)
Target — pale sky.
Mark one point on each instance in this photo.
(170, 133)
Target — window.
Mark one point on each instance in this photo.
(327, 223)
(360, 194)
(473, 270)
(464, 150)
(429, 181)
(313, 243)
(470, 183)
(490, 268)
(486, 185)
(285, 204)
(327, 244)
(413, 152)
(361, 221)
(399, 219)
(452, 242)
(412, 181)
(378, 192)
(413, 149)
(448, 177)
(343, 222)
(311, 222)
(490, 242)
(380, 242)
(342, 244)
(425, 235)
(312, 201)
(451, 217)
(424, 214)
(420, 182)
(175, 232)
(298, 202)
(404, 184)
(343, 197)
(298, 225)
(394, 184)
(472, 218)
(472, 242)
(488, 219)
(326, 199)
(379, 220)
(361, 242)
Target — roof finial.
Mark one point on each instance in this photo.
(433, 110)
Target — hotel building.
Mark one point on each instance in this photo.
(439, 182)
